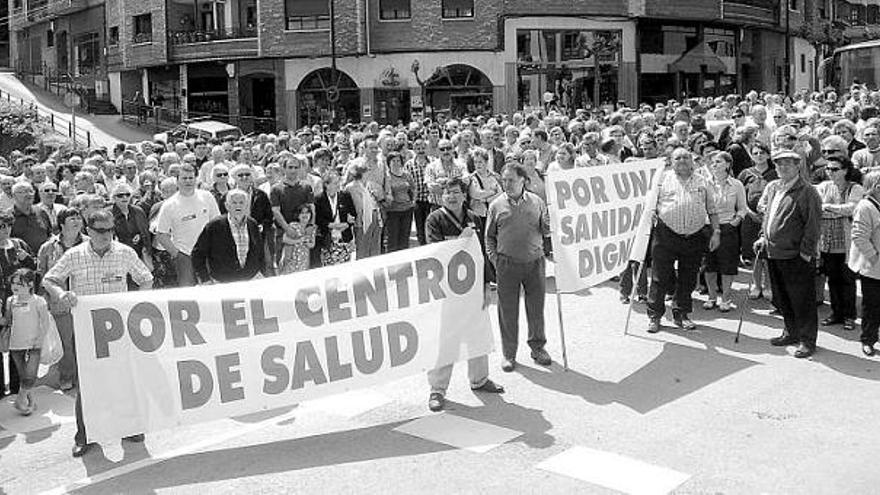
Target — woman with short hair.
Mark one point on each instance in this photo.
(730, 206)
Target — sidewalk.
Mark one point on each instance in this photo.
(106, 130)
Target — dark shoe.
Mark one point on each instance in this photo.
(134, 438)
(804, 351)
(685, 323)
(541, 357)
(783, 340)
(831, 320)
(80, 450)
(654, 326)
(641, 299)
(508, 365)
(849, 324)
(490, 387)
(624, 299)
(867, 350)
(435, 401)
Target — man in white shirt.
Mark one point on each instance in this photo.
(181, 220)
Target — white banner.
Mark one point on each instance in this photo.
(158, 359)
(597, 220)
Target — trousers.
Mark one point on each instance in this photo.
(870, 309)
(668, 248)
(794, 294)
(513, 276)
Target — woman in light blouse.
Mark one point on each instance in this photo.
(730, 204)
(839, 194)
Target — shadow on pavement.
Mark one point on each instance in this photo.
(499, 412)
(677, 371)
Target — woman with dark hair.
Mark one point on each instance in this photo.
(335, 215)
(14, 254)
(840, 194)
(401, 196)
(755, 179)
(730, 205)
(71, 223)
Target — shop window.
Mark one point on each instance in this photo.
(392, 10)
(143, 28)
(524, 46)
(50, 38)
(307, 15)
(113, 36)
(651, 40)
(457, 9)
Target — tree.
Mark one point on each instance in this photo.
(823, 34)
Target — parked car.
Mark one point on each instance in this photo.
(205, 129)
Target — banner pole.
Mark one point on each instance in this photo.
(742, 311)
(631, 292)
(561, 329)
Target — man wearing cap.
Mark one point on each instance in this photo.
(789, 236)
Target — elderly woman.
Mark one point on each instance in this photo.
(48, 194)
(730, 204)
(864, 258)
(220, 185)
(401, 201)
(164, 274)
(755, 179)
(839, 194)
(368, 229)
(847, 130)
(71, 223)
(335, 215)
(565, 158)
(149, 192)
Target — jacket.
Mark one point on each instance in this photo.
(864, 250)
(214, 256)
(794, 229)
(324, 216)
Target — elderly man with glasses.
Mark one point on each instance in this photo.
(440, 171)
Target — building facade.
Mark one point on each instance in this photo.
(288, 63)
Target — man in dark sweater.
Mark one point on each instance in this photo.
(230, 248)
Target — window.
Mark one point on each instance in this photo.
(113, 36)
(873, 16)
(392, 10)
(803, 63)
(50, 38)
(87, 53)
(143, 28)
(793, 5)
(457, 9)
(524, 46)
(307, 15)
(651, 40)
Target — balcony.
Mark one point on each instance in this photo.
(752, 12)
(218, 44)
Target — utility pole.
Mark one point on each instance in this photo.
(333, 90)
(784, 4)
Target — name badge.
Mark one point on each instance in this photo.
(109, 278)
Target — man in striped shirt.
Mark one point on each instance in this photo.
(684, 211)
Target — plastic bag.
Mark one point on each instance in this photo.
(51, 351)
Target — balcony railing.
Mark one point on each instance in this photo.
(187, 37)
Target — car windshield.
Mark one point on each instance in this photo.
(235, 133)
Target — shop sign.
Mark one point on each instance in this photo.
(416, 101)
(390, 78)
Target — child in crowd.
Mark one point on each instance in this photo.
(298, 241)
(29, 319)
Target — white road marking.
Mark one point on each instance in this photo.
(459, 432)
(614, 471)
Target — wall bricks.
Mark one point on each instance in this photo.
(427, 31)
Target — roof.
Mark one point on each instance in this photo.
(698, 56)
(859, 46)
(212, 126)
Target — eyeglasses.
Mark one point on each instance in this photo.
(243, 175)
(107, 230)
(832, 169)
(445, 148)
(221, 175)
(50, 191)
(123, 195)
(828, 152)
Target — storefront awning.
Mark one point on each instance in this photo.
(698, 56)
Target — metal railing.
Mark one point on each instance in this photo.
(202, 36)
(162, 118)
(63, 125)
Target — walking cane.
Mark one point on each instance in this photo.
(561, 329)
(742, 312)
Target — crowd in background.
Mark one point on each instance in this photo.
(320, 196)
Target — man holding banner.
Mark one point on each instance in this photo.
(516, 226)
(99, 266)
(685, 208)
(452, 221)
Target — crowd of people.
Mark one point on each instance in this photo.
(786, 186)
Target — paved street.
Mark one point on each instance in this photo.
(687, 412)
(106, 130)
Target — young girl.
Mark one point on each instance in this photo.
(28, 315)
(298, 240)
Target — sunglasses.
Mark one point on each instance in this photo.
(445, 149)
(221, 175)
(50, 191)
(243, 175)
(107, 230)
(123, 195)
(833, 169)
(828, 152)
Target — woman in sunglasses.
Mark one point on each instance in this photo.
(130, 222)
(839, 194)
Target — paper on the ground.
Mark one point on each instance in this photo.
(459, 432)
(53, 408)
(614, 471)
(349, 404)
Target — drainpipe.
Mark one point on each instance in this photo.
(367, 26)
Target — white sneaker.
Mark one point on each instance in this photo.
(725, 306)
(710, 304)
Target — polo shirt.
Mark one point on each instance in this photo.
(516, 229)
(290, 198)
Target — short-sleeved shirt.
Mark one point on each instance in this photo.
(89, 273)
(290, 198)
(435, 170)
(184, 217)
(685, 205)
